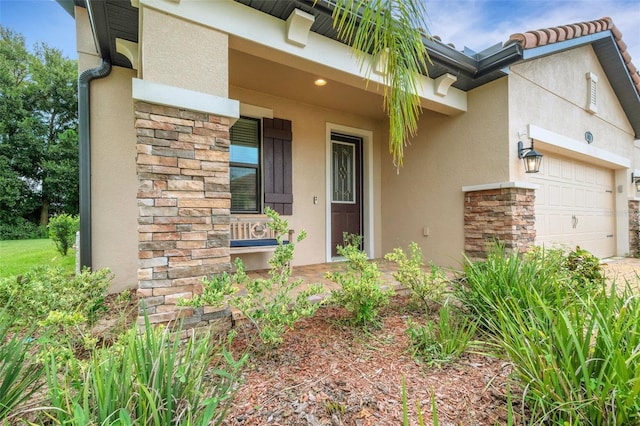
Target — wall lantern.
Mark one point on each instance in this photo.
(531, 157)
(636, 181)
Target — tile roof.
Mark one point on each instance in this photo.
(531, 39)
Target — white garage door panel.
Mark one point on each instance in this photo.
(575, 206)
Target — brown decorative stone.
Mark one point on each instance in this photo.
(505, 216)
(183, 178)
(634, 228)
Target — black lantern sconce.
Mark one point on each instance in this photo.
(532, 158)
(635, 180)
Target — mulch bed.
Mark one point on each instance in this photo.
(329, 373)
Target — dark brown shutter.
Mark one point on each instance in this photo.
(278, 190)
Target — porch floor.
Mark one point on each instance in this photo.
(619, 269)
(315, 274)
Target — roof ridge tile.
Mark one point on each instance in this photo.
(544, 36)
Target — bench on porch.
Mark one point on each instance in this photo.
(250, 234)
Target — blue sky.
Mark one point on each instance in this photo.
(40, 21)
(477, 24)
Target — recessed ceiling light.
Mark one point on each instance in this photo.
(320, 82)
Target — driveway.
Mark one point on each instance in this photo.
(621, 269)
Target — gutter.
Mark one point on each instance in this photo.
(499, 59)
(452, 60)
(84, 141)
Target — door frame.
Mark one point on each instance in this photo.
(367, 186)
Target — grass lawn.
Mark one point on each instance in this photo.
(18, 256)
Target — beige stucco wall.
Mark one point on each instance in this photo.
(85, 43)
(87, 53)
(447, 154)
(551, 92)
(183, 54)
(309, 170)
(114, 208)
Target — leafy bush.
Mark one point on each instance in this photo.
(62, 230)
(19, 377)
(574, 352)
(267, 303)
(215, 290)
(426, 288)
(43, 289)
(444, 342)
(65, 307)
(360, 291)
(585, 269)
(21, 229)
(148, 378)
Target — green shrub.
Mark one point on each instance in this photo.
(440, 343)
(267, 303)
(19, 376)
(585, 269)
(215, 290)
(148, 378)
(22, 229)
(426, 288)
(62, 230)
(503, 278)
(360, 290)
(64, 307)
(574, 352)
(44, 289)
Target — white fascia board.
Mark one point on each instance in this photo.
(269, 32)
(579, 149)
(177, 97)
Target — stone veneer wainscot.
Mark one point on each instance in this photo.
(184, 207)
(503, 213)
(634, 228)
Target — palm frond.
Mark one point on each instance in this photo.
(394, 29)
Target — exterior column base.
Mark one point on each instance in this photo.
(500, 215)
(634, 228)
(184, 205)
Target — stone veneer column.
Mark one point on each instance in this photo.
(505, 215)
(184, 201)
(634, 228)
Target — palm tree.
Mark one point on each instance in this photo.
(393, 30)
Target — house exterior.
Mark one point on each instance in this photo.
(197, 112)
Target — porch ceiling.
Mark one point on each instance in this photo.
(262, 75)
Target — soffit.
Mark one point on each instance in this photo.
(112, 19)
(259, 74)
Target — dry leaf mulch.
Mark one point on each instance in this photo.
(329, 373)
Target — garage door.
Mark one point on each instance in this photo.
(575, 206)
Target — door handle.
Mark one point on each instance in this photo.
(574, 221)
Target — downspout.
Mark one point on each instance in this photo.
(84, 141)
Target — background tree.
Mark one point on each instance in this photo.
(38, 132)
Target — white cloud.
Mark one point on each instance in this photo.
(480, 24)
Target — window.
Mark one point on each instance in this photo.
(244, 165)
(260, 166)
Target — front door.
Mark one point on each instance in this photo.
(346, 188)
